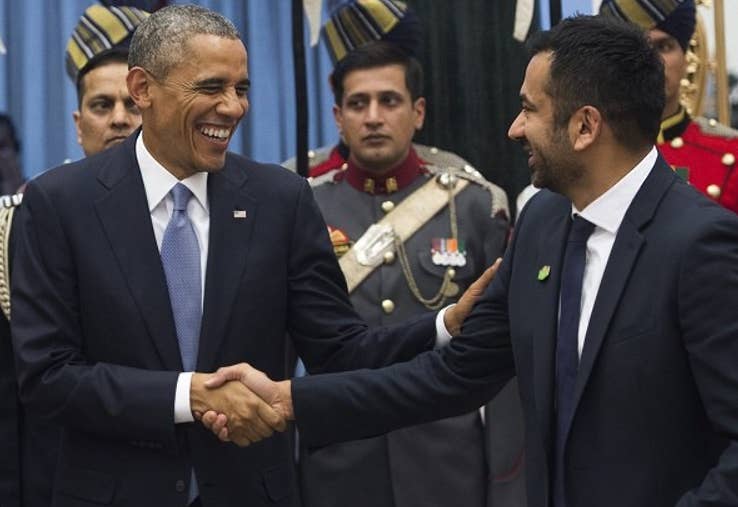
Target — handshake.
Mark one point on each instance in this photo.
(240, 404)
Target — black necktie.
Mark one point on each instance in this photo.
(567, 355)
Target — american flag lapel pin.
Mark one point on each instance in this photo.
(239, 213)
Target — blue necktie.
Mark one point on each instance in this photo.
(567, 355)
(180, 257)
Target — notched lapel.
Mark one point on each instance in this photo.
(628, 244)
(233, 214)
(124, 214)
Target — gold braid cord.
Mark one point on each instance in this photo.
(444, 292)
(408, 216)
(6, 220)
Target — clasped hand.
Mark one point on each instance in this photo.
(240, 404)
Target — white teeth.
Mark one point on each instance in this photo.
(216, 133)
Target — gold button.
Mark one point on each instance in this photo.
(451, 272)
(388, 306)
(712, 122)
(389, 257)
(728, 159)
(388, 206)
(714, 191)
(677, 142)
(344, 166)
(311, 154)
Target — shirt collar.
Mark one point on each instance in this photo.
(608, 210)
(398, 178)
(158, 181)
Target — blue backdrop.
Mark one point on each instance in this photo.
(39, 96)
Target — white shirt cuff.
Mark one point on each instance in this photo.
(443, 337)
(182, 411)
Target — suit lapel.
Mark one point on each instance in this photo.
(124, 214)
(551, 251)
(628, 244)
(233, 214)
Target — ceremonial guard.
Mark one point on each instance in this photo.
(412, 227)
(701, 150)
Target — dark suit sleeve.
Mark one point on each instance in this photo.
(708, 293)
(436, 384)
(54, 376)
(327, 332)
(9, 422)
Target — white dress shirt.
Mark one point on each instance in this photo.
(158, 182)
(606, 213)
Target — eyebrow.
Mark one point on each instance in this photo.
(215, 81)
(525, 100)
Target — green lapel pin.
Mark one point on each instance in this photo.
(543, 273)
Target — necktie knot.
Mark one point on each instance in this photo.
(581, 229)
(181, 196)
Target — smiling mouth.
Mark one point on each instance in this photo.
(218, 134)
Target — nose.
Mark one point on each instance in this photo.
(121, 117)
(516, 132)
(233, 105)
(373, 113)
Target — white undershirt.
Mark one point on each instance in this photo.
(158, 182)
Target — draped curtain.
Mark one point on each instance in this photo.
(473, 71)
(40, 98)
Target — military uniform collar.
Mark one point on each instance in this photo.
(396, 179)
(674, 126)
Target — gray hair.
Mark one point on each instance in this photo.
(159, 43)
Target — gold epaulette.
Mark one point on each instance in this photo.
(8, 203)
(498, 197)
(714, 128)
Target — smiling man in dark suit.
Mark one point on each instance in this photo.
(615, 303)
(165, 256)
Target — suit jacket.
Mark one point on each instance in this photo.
(655, 420)
(95, 341)
(28, 444)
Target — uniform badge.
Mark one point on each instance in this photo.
(448, 252)
(339, 239)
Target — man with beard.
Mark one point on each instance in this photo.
(614, 304)
(96, 57)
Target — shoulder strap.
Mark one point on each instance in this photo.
(404, 221)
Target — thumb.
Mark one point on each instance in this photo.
(226, 374)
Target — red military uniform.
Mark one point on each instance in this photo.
(707, 151)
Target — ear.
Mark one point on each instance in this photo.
(139, 87)
(419, 110)
(585, 127)
(76, 117)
